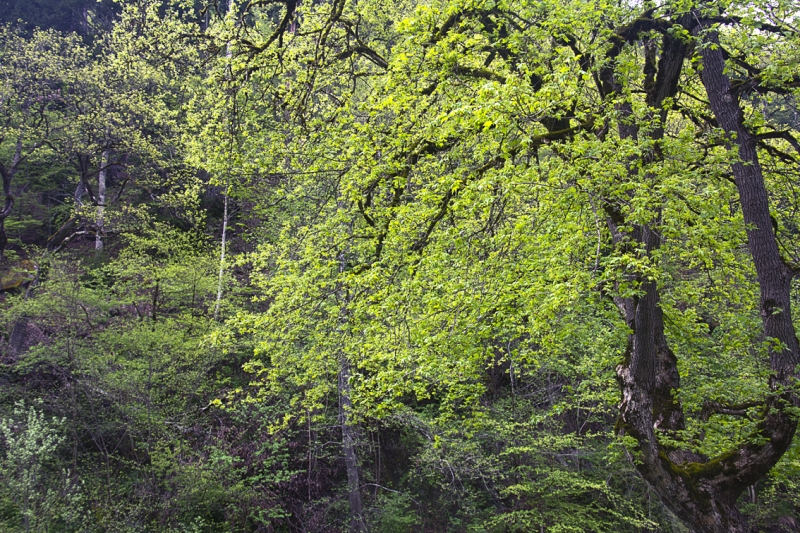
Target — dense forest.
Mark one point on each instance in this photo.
(399, 266)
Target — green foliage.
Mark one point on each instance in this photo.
(38, 494)
(395, 514)
(413, 192)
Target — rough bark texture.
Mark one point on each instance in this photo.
(700, 491)
(744, 466)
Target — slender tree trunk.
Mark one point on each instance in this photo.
(349, 437)
(83, 163)
(101, 202)
(7, 207)
(80, 190)
(222, 254)
(349, 431)
(7, 174)
(228, 54)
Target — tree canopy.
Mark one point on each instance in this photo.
(437, 265)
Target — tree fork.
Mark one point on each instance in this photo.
(703, 492)
(648, 376)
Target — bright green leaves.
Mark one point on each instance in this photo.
(446, 181)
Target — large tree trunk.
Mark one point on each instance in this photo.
(744, 466)
(700, 491)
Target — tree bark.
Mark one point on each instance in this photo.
(7, 174)
(101, 202)
(223, 243)
(349, 435)
(349, 431)
(700, 491)
(8, 205)
(80, 190)
(222, 247)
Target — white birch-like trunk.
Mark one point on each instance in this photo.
(222, 254)
(221, 277)
(101, 202)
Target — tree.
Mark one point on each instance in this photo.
(33, 72)
(120, 105)
(704, 491)
(460, 239)
(607, 106)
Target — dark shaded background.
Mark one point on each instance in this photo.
(62, 15)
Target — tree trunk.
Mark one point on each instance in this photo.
(349, 435)
(222, 254)
(80, 190)
(7, 207)
(231, 117)
(700, 491)
(101, 202)
(349, 431)
(7, 174)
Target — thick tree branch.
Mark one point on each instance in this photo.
(712, 408)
